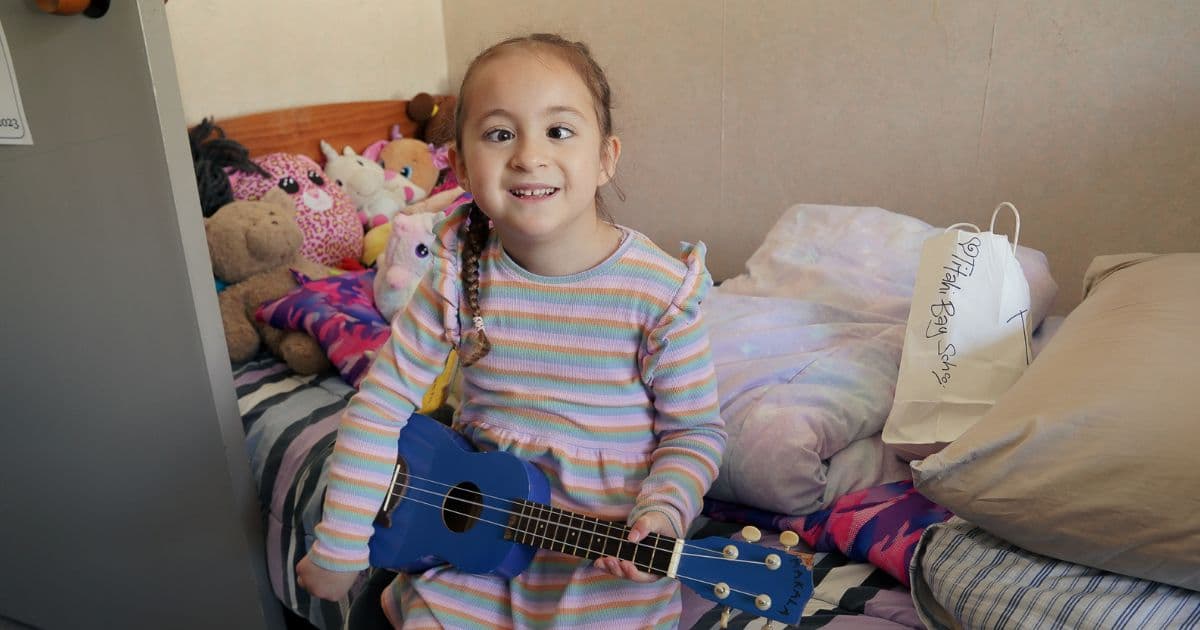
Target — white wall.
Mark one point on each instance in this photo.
(243, 56)
(1084, 113)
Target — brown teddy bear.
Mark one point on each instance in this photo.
(435, 115)
(254, 245)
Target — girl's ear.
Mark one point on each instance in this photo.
(460, 168)
(610, 154)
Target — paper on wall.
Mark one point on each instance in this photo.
(14, 129)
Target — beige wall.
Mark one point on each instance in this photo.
(1085, 114)
(242, 56)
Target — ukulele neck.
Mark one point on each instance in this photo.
(554, 529)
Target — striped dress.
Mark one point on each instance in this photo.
(603, 379)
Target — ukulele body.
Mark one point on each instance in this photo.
(439, 518)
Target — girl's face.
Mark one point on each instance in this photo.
(531, 148)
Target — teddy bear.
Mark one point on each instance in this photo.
(435, 115)
(377, 193)
(254, 246)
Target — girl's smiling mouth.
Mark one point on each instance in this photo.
(533, 193)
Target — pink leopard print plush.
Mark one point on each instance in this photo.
(332, 230)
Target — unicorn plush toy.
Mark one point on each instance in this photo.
(378, 194)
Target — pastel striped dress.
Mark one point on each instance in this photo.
(603, 379)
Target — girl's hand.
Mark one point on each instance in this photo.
(649, 522)
(323, 583)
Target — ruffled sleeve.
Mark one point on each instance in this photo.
(677, 366)
(407, 365)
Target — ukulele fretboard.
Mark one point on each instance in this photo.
(585, 537)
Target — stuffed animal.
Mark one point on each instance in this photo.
(378, 194)
(411, 158)
(213, 157)
(441, 203)
(435, 114)
(405, 259)
(254, 245)
(326, 216)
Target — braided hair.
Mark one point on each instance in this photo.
(474, 235)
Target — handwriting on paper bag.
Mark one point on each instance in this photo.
(961, 265)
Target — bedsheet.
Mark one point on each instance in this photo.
(290, 423)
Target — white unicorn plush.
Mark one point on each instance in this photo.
(377, 194)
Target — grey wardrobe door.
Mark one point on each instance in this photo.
(125, 495)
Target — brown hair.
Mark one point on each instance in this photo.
(475, 230)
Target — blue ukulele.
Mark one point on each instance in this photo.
(490, 512)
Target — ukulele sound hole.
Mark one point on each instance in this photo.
(463, 505)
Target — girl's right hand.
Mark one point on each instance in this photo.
(323, 583)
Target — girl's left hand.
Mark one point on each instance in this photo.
(647, 523)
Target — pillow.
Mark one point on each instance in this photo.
(860, 258)
(804, 389)
(1091, 457)
(339, 311)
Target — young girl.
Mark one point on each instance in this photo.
(583, 351)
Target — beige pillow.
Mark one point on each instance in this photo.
(1093, 456)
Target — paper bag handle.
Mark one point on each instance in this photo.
(1016, 215)
(974, 228)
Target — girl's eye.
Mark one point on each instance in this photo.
(315, 178)
(422, 251)
(559, 133)
(406, 171)
(499, 135)
(289, 185)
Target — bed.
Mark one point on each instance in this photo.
(806, 343)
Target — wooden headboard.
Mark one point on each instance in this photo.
(301, 129)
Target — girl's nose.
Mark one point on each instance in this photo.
(529, 154)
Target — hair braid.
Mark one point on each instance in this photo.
(474, 234)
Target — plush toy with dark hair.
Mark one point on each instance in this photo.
(212, 159)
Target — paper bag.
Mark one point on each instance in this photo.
(967, 337)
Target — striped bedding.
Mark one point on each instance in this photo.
(290, 422)
(965, 577)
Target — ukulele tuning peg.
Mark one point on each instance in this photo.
(721, 590)
(762, 602)
(789, 539)
(726, 615)
(751, 534)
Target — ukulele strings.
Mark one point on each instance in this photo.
(704, 552)
(647, 568)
